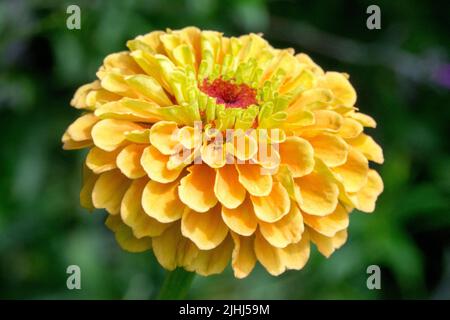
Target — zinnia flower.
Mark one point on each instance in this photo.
(159, 164)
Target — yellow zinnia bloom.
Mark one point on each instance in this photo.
(159, 164)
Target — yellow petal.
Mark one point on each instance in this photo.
(367, 196)
(245, 146)
(155, 164)
(274, 206)
(277, 260)
(130, 109)
(342, 89)
(298, 155)
(327, 245)
(70, 144)
(350, 128)
(353, 173)
(150, 88)
(364, 119)
(138, 136)
(319, 194)
(295, 255)
(124, 236)
(328, 225)
(332, 150)
(109, 134)
(160, 201)
(268, 255)
(99, 160)
(227, 187)
(243, 258)
(121, 61)
(242, 219)
(268, 157)
(115, 82)
(207, 230)
(196, 189)
(190, 137)
(284, 176)
(369, 148)
(285, 231)
(129, 161)
(324, 120)
(163, 135)
(252, 178)
(79, 99)
(80, 129)
(214, 155)
(305, 59)
(109, 190)
(89, 180)
(183, 158)
(208, 262)
(134, 216)
(172, 249)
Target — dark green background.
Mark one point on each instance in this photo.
(394, 70)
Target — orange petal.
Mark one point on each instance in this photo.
(160, 201)
(328, 225)
(172, 249)
(154, 163)
(295, 255)
(124, 236)
(190, 137)
(332, 150)
(70, 144)
(109, 134)
(206, 230)
(268, 255)
(367, 196)
(109, 190)
(129, 109)
(319, 194)
(134, 216)
(214, 261)
(298, 155)
(251, 177)
(342, 89)
(353, 173)
(242, 219)
(163, 135)
(369, 148)
(324, 120)
(364, 119)
(80, 129)
(285, 231)
(284, 175)
(350, 128)
(274, 206)
(99, 160)
(245, 146)
(327, 245)
(213, 154)
(89, 180)
(243, 259)
(129, 161)
(196, 189)
(227, 188)
(268, 156)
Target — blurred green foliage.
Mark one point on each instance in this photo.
(43, 229)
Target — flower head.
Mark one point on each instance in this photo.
(208, 149)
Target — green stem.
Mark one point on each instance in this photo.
(176, 284)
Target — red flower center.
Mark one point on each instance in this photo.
(230, 94)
